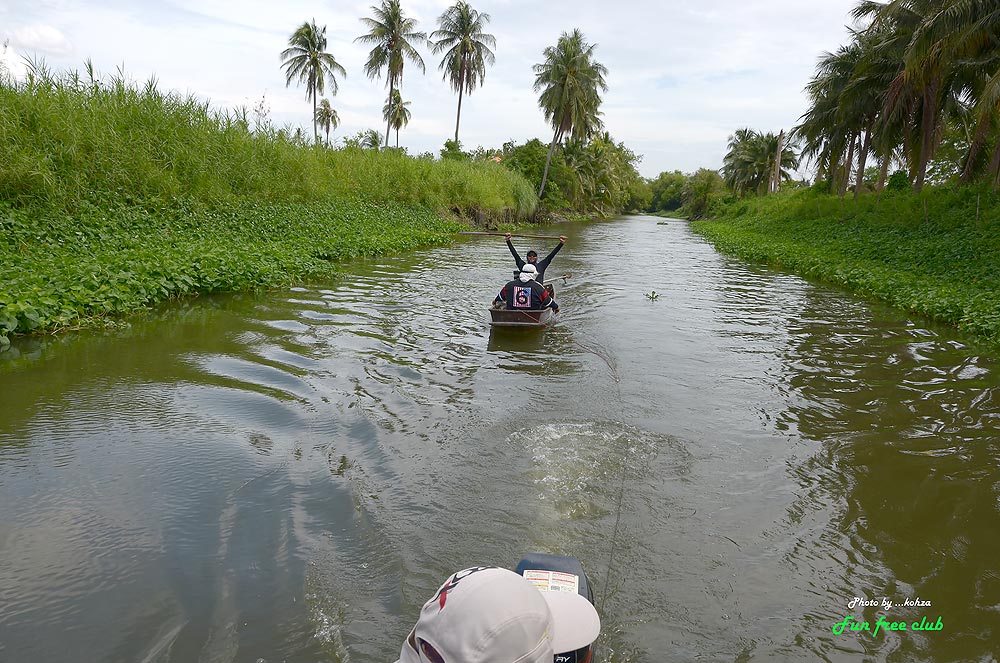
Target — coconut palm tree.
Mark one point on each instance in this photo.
(307, 61)
(861, 103)
(824, 130)
(466, 47)
(392, 36)
(396, 113)
(922, 91)
(370, 139)
(570, 81)
(967, 30)
(326, 117)
(915, 68)
(752, 159)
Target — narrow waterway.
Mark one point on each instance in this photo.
(288, 476)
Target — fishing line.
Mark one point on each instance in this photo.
(616, 531)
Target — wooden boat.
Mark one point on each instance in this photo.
(505, 317)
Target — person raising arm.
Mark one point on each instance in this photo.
(532, 257)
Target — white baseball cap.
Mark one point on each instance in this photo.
(528, 272)
(492, 615)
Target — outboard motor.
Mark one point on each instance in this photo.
(559, 573)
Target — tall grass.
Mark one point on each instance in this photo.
(64, 138)
(936, 253)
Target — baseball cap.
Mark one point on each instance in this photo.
(492, 615)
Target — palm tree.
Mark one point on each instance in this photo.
(753, 159)
(396, 113)
(370, 139)
(824, 129)
(570, 81)
(876, 62)
(921, 92)
(391, 35)
(466, 47)
(327, 117)
(916, 68)
(306, 60)
(967, 30)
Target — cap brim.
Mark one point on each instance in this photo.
(575, 622)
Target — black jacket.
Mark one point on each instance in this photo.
(540, 265)
(526, 296)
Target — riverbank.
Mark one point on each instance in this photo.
(105, 260)
(114, 198)
(936, 254)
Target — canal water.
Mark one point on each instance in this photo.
(288, 476)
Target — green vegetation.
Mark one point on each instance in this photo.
(597, 176)
(697, 195)
(937, 254)
(752, 163)
(570, 81)
(913, 70)
(111, 257)
(114, 197)
(917, 90)
(64, 140)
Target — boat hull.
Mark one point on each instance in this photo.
(502, 317)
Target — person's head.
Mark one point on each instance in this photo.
(532, 256)
(528, 273)
(492, 615)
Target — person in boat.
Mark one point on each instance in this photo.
(532, 257)
(492, 615)
(525, 293)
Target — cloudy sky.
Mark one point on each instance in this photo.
(682, 75)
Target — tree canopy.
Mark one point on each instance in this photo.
(912, 69)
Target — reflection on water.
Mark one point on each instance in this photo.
(288, 476)
(504, 339)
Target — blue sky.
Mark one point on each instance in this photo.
(682, 75)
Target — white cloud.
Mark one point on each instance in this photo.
(682, 77)
(40, 39)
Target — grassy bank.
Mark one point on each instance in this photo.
(112, 258)
(115, 196)
(937, 254)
